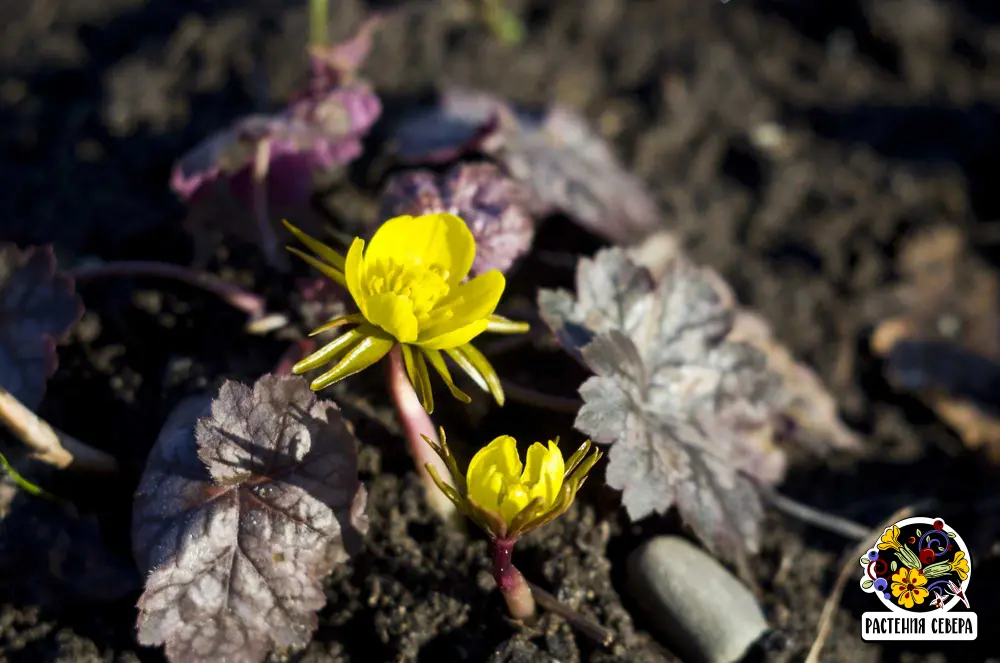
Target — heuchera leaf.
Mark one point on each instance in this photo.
(37, 309)
(239, 515)
(321, 128)
(568, 166)
(490, 202)
(689, 414)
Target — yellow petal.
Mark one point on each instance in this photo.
(543, 471)
(394, 314)
(514, 501)
(432, 239)
(456, 338)
(498, 460)
(354, 273)
(469, 302)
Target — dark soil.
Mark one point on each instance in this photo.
(791, 143)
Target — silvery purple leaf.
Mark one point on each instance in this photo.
(247, 501)
(491, 204)
(689, 414)
(37, 309)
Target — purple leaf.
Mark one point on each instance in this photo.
(458, 124)
(337, 64)
(315, 133)
(489, 202)
(567, 165)
(319, 129)
(689, 415)
(239, 515)
(37, 309)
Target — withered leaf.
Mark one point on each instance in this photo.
(569, 167)
(239, 515)
(37, 309)
(689, 414)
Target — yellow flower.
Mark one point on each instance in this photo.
(960, 565)
(507, 498)
(410, 288)
(889, 539)
(908, 587)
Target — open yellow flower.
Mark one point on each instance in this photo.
(410, 288)
(908, 587)
(507, 498)
(889, 539)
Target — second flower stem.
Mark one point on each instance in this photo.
(515, 589)
(417, 424)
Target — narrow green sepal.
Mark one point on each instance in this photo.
(437, 361)
(361, 356)
(317, 247)
(328, 352)
(328, 270)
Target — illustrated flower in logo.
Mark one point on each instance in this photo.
(917, 565)
(889, 539)
(960, 565)
(908, 586)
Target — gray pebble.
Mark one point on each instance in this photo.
(706, 614)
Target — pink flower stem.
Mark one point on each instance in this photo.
(515, 589)
(417, 424)
(237, 297)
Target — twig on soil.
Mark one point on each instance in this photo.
(816, 517)
(516, 392)
(49, 445)
(417, 425)
(849, 564)
(237, 297)
(599, 634)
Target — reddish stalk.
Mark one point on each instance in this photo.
(515, 589)
(417, 424)
(237, 297)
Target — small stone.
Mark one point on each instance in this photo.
(706, 614)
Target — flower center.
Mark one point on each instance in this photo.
(423, 285)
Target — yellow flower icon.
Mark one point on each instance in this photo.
(960, 565)
(908, 587)
(507, 498)
(410, 288)
(889, 539)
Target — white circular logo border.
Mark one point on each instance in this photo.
(920, 520)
